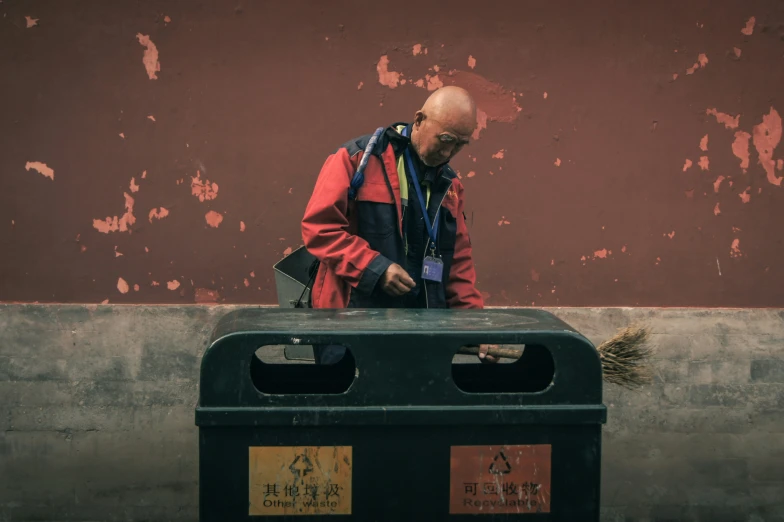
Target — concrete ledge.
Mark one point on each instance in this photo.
(96, 413)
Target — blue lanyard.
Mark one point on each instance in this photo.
(432, 231)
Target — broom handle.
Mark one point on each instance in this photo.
(509, 353)
(506, 353)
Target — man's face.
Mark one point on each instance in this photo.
(437, 141)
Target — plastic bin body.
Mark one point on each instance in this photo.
(414, 437)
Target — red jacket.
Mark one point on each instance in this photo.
(356, 240)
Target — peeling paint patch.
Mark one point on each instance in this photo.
(116, 253)
(204, 190)
(206, 295)
(704, 143)
(167, 19)
(246, 282)
(674, 76)
(745, 196)
(151, 117)
(158, 213)
(122, 285)
(105, 301)
(359, 87)
(717, 183)
(122, 135)
(735, 248)
(481, 123)
(557, 162)
(737, 52)
(434, 82)
(671, 234)
(766, 137)
(31, 22)
(133, 186)
(115, 224)
(748, 30)
(135, 288)
(499, 154)
(702, 61)
(242, 226)
(213, 218)
(503, 221)
(602, 254)
(544, 95)
(471, 61)
(144, 174)
(288, 251)
(740, 147)
(471, 174)
(386, 77)
(150, 59)
(729, 122)
(41, 168)
(780, 164)
(687, 165)
(623, 249)
(417, 49)
(704, 163)
(716, 210)
(173, 284)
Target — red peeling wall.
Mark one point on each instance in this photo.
(627, 153)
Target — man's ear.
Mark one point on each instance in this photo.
(419, 117)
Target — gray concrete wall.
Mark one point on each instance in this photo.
(96, 414)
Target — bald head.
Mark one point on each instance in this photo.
(451, 103)
(443, 125)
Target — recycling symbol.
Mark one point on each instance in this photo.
(301, 466)
(500, 465)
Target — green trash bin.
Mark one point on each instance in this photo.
(396, 431)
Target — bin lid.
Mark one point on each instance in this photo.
(403, 359)
(387, 320)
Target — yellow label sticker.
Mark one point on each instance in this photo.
(300, 480)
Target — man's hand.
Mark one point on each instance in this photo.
(483, 355)
(396, 281)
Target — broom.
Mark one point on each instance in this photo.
(624, 356)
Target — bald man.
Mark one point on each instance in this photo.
(396, 238)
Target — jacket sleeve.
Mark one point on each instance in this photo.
(325, 227)
(461, 291)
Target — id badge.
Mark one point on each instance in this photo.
(432, 269)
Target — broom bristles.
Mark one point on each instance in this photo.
(625, 357)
